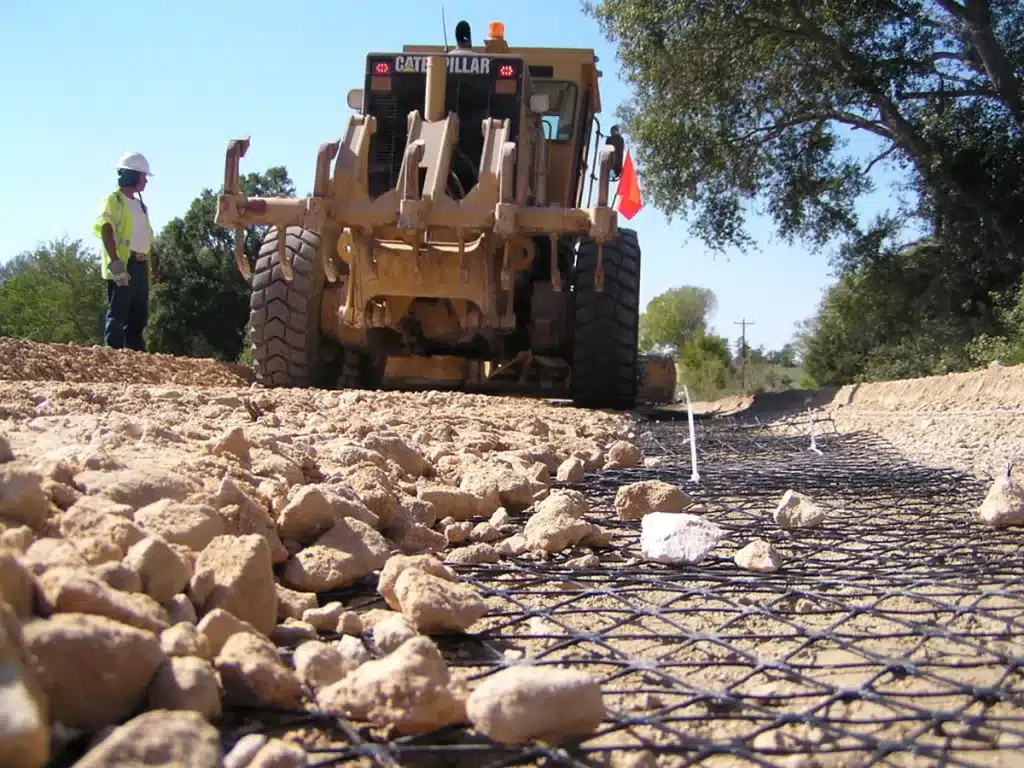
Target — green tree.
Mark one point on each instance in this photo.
(676, 317)
(53, 294)
(200, 301)
(704, 365)
(734, 102)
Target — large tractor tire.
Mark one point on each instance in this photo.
(287, 347)
(606, 325)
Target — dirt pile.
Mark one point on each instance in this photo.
(160, 545)
(22, 360)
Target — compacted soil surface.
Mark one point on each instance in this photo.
(197, 572)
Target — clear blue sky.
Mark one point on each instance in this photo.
(84, 82)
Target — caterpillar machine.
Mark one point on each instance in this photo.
(454, 237)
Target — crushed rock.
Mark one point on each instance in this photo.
(521, 704)
(409, 689)
(797, 510)
(635, 500)
(760, 556)
(678, 539)
(1003, 505)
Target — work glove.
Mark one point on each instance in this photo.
(117, 272)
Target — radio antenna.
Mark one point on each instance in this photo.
(444, 29)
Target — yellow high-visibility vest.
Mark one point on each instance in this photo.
(115, 213)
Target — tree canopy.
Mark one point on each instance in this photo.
(676, 317)
(734, 101)
(751, 105)
(200, 301)
(53, 294)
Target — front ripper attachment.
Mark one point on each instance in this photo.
(233, 186)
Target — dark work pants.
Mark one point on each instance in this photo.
(128, 309)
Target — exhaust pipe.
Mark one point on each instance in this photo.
(437, 80)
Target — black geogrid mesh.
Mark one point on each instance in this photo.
(893, 635)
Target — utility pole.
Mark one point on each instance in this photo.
(743, 351)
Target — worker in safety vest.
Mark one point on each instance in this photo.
(123, 226)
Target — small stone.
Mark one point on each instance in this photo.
(450, 502)
(325, 618)
(80, 523)
(180, 610)
(101, 505)
(484, 533)
(400, 451)
(349, 623)
(539, 474)
(501, 518)
(1003, 505)
(186, 683)
(319, 664)
(120, 577)
(523, 704)
(48, 552)
(563, 502)
(292, 604)
(418, 539)
(391, 632)
(235, 573)
(193, 525)
(292, 632)
(218, 626)
(135, 488)
(315, 509)
(69, 590)
(410, 689)
(63, 496)
(513, 546)
(253, 674)
(397, 564)
(94, 670)
(23, 497)
(434, 604)
(233, 443)
(19, 538)
(18, 586)
(571, 471)
(474, 554)
(278, 753)
(457, 533)
(6, 454)
(634, 501)
(245, 750)
(162, 572)
(796, 511)
(677, 539)
(185, 640)
(161, 739)
(97, 551)
(623, 455)
(759, 556)
(554, 530)
(586, 561)
(340, 558)
(656, 462)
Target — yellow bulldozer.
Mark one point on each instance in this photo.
(459, 235)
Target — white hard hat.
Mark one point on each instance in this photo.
(134, 161)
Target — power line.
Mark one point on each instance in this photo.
(743, 351)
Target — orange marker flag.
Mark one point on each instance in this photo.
(628, 191)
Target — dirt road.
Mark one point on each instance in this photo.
(175, 541)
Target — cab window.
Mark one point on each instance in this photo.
(560, 120)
